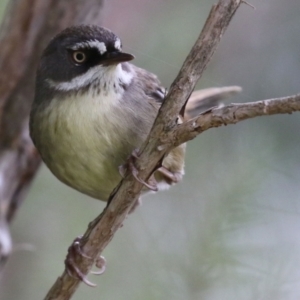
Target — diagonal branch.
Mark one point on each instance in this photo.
(103, 228)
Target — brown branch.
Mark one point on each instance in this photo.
(233, 113)
(103, 228)
(27, 28)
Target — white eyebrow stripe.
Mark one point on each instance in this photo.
(118, 44)
(91, 44)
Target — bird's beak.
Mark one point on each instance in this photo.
(113, 58)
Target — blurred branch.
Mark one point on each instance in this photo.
(103, 228)
(27, 28)
(232, 114)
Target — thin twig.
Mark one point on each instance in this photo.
(232, 114)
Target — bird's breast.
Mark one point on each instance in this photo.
(83, 140)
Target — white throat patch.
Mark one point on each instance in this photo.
(103, 77)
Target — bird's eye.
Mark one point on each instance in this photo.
(79, 57)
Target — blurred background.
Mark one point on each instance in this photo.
(231, 229)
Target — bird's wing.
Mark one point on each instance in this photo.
(205, 99)
(198, 102)
(151, 85)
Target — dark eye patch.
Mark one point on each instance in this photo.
(93, 57)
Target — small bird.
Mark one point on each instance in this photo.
(92, 109)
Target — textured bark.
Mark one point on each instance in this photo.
(27, 28)
(158, 143)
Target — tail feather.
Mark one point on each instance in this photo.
(205, 99)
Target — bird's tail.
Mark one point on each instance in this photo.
(203, 100)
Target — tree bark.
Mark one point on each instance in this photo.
(27, 28)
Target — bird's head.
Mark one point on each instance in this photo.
(81, 55)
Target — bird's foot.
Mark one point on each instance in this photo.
(71, 266)
(170, 177)
(130, 165)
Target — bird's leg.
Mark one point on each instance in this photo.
(71, 267)
(130, 165)
(124, 167)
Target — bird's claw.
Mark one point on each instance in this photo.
(71, 267)
(129, 165)
(170, 177)
(74, 272)
(135, 174)
(101, 265)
